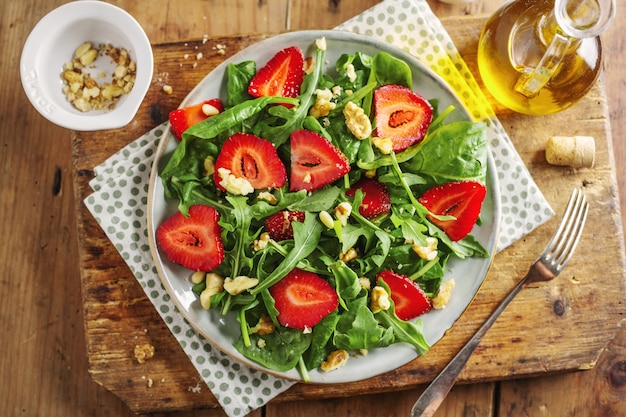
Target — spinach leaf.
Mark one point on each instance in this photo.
(321, 336)
(454, 152)
(387, 69)
(231, 117)
(281, 351)
(238, 78)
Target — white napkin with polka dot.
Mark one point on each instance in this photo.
(119, 201)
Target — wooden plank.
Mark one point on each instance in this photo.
(116, 309)
(463, 400)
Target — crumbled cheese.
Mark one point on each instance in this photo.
(351, 73)
(321, 43)
(365, 283)
(443, 295)
(380, 299)
(239, 284)
(214, 285)
(323, 104)
(234, 185)
(336, 90)
(261, 343)
(357, 121)
(335, 360)
(428, 252)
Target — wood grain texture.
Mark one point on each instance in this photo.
(44, 360)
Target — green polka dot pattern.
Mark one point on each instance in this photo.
(120, 187)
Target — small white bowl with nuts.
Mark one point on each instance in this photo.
(87, 65)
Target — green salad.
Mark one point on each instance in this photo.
(320, 203)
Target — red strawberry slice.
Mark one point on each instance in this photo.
(408, 298)
(278, 225)
(376, 200)
(185, 117)
(302, 299)
(252, 158)
(315, 162)
(463, 200)
(401, 115)
(194, 242)
(281, 76)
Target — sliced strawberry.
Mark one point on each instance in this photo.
(463, 200)
(408, 298)
(194, 242)
(185, 117)
(401, 115)
(376, 200)
(302, 299)
(281, 76)
(278, 225)
(315, 162)
(252, 158)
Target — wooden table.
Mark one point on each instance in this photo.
(580, 311)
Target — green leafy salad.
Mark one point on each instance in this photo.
(320, 204)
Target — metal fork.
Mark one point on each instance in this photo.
(547, 266)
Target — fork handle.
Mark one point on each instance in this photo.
(436, 392)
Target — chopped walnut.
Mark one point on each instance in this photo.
(83, 90)
(335, 360)
(144, 352)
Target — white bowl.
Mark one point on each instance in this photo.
(52, 43)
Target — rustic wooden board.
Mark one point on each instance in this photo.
(549, 328)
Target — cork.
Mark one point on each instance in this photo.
(572, 151)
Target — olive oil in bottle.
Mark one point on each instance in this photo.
(541, 56)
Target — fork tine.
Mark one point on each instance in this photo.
(582, 209)
(561, 247)
(562, 227)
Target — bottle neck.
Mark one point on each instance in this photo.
(583, 18)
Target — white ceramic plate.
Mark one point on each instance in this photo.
(223, 331)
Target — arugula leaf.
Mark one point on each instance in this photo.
(306, 237)
(404, 331)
